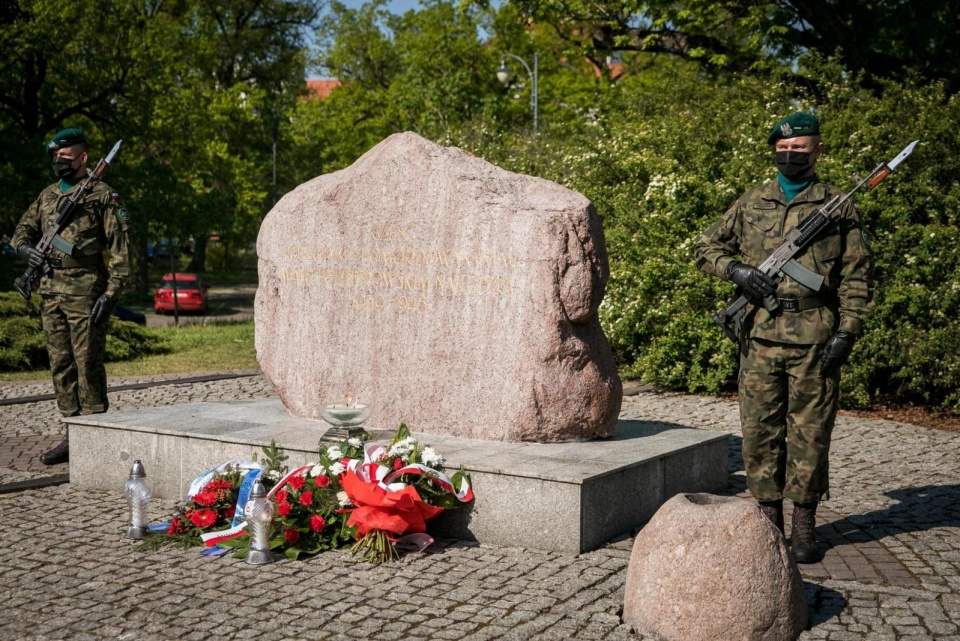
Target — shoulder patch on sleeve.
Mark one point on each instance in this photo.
(123, 214)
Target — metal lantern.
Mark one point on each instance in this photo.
(259, 515)
(138, 494)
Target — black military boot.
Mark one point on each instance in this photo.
(773, 510)
(803, 533)
(59, 454)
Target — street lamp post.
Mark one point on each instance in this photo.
(275, 131)
(503, 75)
(278, 92)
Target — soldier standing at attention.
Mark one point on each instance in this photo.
(790, 360)
(78, 291)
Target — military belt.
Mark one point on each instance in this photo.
(66, 262)
(794, 304)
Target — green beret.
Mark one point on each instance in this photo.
(65, 138)
(798, 124)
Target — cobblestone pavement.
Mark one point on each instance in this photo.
(891, 568)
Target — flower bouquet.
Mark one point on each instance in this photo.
(394, 492)
(380, 497)
(211, 504)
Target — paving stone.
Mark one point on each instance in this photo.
(891, 569)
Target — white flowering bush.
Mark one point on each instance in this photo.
(665, 155)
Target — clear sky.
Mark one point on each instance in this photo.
(395, 6)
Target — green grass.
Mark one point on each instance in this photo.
(193, 348)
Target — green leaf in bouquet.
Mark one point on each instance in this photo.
(292, 553)
(273, 458)
(241, 553)
(402, 432)
(241, 542)
(459, 476)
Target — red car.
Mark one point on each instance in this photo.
(191, 294)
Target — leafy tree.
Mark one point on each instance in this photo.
(63, 63)
(242, 64)
(191, 86)
(424, 71)
(883, 40)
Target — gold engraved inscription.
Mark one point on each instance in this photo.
(391, 270)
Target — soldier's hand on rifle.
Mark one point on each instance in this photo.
(33, 257)
(102, 308)
(754, 282)
(836, 352)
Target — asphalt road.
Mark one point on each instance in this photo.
(225, 303)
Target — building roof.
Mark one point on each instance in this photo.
(321, 88)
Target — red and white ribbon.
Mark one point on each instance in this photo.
(210, 539)
(300, 471)
(369, 470)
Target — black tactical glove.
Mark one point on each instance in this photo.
(31, 255)
(754, 282)
(836, 352)
(102, 308)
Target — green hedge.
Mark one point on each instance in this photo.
(23, 347)
(663, 155)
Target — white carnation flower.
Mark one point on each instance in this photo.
(334, 453)
(431, 457)
(274, 474)
(343, 499)
(337, 469)
(318, 470)
(403, 447)
(354, 442)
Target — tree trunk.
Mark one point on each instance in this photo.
(141, 275)
(198, 262)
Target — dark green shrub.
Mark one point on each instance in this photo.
(23, 347)
(127, 341)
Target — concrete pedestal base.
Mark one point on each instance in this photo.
(569, 497)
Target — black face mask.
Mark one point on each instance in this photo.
(63, 167)
(793, 164)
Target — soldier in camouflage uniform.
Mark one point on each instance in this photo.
(790, 360)
(78, 291)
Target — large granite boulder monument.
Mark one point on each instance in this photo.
(450, 294)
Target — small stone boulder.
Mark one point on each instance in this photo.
(709, 567)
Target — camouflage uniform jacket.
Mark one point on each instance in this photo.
(98, 223)
(755, 226)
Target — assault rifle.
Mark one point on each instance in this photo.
(51, 237)
(781, 261)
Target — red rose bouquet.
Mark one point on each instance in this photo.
(210, 509)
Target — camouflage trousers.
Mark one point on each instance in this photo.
(787, 412)
(76, 348)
